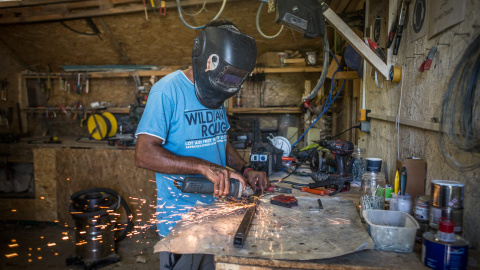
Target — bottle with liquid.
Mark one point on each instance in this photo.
(238, 100)
(372, 190)
(359, 163)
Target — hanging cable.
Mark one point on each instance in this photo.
(459, 132)
(328, 102)
(198, 27)
(195, 14)
(78, 32)
(260, 30)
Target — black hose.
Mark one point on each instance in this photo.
(460, 116)
(326, 51)
(74, 212)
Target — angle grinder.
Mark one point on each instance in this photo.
(204, 186)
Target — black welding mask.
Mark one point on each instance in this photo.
(222, 59)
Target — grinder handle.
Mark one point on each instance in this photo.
(204, 186)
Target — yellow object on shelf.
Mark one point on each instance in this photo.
(101, 126)
(396, 187)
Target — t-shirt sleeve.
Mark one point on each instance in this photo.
(157, 117)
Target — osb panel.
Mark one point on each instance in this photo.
(422, 95)
(80, 169)
(162, 40)
(45, 184)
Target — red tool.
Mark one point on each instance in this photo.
(391, 34)
(285, 201)
(163, 9)
(428, 60)
(378, 51)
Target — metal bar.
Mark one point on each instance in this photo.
(244, 227)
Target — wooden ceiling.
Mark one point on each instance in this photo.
(28, 11)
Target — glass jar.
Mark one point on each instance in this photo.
(372, 190)
(359, 163)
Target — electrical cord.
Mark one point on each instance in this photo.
(328, 102)
(198, 27)
(260, 30)
(460, 123)
(195, 14)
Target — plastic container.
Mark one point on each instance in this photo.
(391, 230)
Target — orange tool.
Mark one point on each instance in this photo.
(320, 192)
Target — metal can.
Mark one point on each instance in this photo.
(447, 194)
(455, 215)
(421, 207)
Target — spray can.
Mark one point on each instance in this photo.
(444, 249)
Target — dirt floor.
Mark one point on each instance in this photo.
(38, 245)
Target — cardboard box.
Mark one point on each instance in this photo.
(416, 175)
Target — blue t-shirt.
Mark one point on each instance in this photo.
(174, 114)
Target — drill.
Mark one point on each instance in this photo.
(340, 150)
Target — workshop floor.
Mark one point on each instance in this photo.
(40, 246)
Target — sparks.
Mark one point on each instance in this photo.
(11, 255)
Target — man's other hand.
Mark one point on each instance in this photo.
(255, 178)
(220, 176)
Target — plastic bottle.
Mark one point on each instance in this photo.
(372, 189)
(359, 163)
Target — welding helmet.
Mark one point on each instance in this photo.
(222, 58)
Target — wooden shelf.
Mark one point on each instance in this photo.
(40, 110)
(264, 110)
(103, 74)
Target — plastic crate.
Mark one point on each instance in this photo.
(391, 230)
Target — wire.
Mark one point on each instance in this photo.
(459, 132)
(328, 102)
(198, 27)
(260, 30)
(195, 14)
(296, 167)
(78, 32)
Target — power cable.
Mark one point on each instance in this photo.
(195, 14)
(459, 132)
(198, 27)
(260, 30)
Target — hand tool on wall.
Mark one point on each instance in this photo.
(391, 34)
(163, 9)
(49, 83)
(152, 3)
(401, 22)
(378, 51)
(428, 60)
(145, 8)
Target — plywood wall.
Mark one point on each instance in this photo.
(421, 100)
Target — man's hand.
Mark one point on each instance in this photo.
(260, 178)
(220, 176)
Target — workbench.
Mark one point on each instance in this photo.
(243, 259)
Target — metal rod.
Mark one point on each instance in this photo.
(242, 232)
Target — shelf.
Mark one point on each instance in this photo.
(103, 74)
(40, 110)
(264, 110)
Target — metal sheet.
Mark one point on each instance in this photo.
(276, 232)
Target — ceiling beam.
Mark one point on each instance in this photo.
(54, 10)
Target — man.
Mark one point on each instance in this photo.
(183, 130)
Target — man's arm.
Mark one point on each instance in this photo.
(151, 155)
(236, 162)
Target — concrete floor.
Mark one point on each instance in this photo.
(37, 245)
